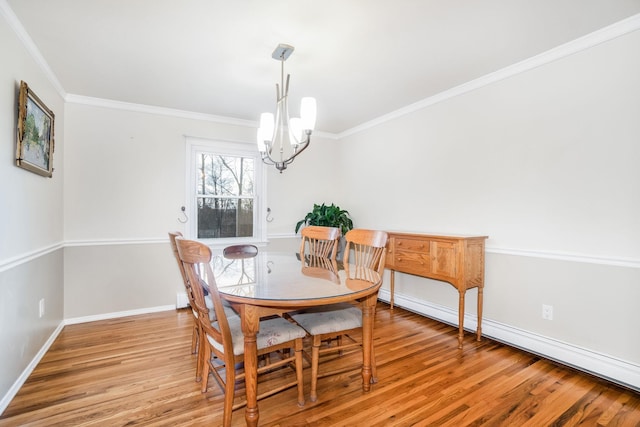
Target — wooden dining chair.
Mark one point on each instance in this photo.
(338, 321)
(224, 344)
(319, 241)
(196, 333)
(240, 251)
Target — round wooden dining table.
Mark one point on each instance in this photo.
(278, 282)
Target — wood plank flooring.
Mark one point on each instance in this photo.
(138, 371)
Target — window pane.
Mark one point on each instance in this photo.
(224, 217)
(223, 175)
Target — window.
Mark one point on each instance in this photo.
(225, 186)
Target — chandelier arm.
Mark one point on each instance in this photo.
(267, 159)
(267, 154)
(304, 146)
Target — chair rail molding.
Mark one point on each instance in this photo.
(15, 261)
(568, 256)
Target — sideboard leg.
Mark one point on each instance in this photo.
(392, 285)
(479, 329)
(461, 318)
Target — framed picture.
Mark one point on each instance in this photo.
(35, 145)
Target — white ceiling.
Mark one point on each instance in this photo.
(361, 59)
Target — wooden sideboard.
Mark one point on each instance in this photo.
(458, 260)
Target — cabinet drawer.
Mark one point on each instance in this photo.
(413, 245)
(412, 262)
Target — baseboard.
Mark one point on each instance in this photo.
(114, 315)
(19, 382)
(604, 366)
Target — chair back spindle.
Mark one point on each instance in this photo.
(368, 247)
(319, 241)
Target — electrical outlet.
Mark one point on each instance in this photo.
(547, 312)
(41, 307)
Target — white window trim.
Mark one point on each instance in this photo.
(245, 149)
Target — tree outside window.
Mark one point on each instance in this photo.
(225, 195)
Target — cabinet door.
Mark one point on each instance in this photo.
(444, 258)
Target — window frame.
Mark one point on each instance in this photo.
(195, 145)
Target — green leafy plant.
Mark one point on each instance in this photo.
(327, 216)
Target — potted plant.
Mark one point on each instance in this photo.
(327, 216)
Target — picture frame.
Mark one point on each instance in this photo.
(35, 134)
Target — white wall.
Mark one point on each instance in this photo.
(31, 230)
(124, 186)
(546, 164)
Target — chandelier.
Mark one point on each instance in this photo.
(281, 138)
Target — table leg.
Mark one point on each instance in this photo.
(368, 314)
(250, 327)
(461, 318)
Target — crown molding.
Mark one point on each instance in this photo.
(588, 41)
(18, 29)
(170, 112)
(161, 111)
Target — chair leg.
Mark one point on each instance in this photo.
(206, 359)
(201, 360)
(299, 374)
(315, 356)
(229, 395)
(194, 338)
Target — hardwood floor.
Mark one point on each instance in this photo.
(139, 371)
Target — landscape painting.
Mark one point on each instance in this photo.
(35, 142)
